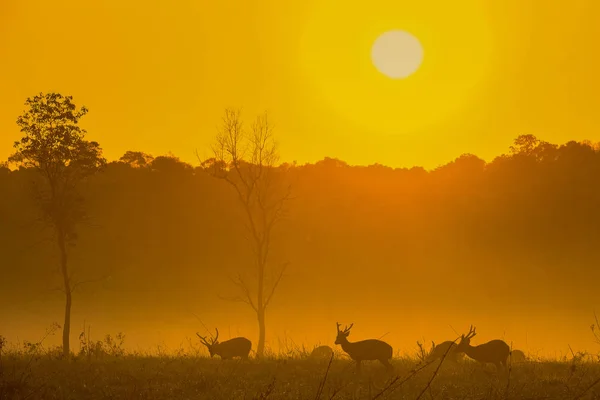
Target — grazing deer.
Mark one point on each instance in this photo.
(236, 347)
(370, 349)
(517, 356)
(447, 349)
(493, 352)
(321, 353)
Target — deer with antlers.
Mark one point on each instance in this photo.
(493, 352)
(446, 350)
(236, 347)
(364, 350)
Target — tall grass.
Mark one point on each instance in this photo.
(103, 370)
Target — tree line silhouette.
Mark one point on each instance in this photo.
(521, 229)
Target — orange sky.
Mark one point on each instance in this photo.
(157, 75)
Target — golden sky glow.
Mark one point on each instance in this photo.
(157, 75)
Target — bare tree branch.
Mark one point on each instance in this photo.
(238, 299)
(241, 284)
(59, 289)
(275, 284)
(83, 282)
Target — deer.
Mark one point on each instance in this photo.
(321, 353)
(447, 349)
(236, 347)
(493, 352)
(364, 350)
(517, 356)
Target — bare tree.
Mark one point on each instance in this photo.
(246, 160)
(54, 145)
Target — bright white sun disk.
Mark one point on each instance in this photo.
(397, 54)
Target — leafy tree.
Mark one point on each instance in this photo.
(530, 146)
(136, 159)
(246, 161)
(525, 144)
(170, 164)
(55, 146)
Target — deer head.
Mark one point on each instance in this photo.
(342, 336)
(210, 344)
(465, 341)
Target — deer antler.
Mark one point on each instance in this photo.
(203, 340)
(346, 329)
(471, 332)
(216, 337)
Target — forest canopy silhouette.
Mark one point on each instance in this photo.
(388, 248)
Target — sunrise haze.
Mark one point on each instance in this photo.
(435, 165)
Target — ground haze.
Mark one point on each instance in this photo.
(509, 247)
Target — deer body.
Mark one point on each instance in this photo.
(447, 349)
(321, 353)
(365, 350)
(236, 347)
(517, 356)
(493, 352)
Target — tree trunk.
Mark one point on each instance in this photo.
(260, 309)
(260, 349)
(67, 326)
(62, 246)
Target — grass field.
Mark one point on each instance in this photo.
(33, 374)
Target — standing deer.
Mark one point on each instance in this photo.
(370, 349)
(236, 347)
(447, 349)
(493, 352)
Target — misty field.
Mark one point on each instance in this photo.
(46, 376)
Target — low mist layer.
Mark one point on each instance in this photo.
(405, 254)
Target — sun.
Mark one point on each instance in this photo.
(397, 54)
(395, 69)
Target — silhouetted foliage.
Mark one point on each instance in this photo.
(136, 159)
(54, 146)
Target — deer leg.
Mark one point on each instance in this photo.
(387, 364)
(500, 367)
(504, 367)
(358, 366)
(483, 365)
